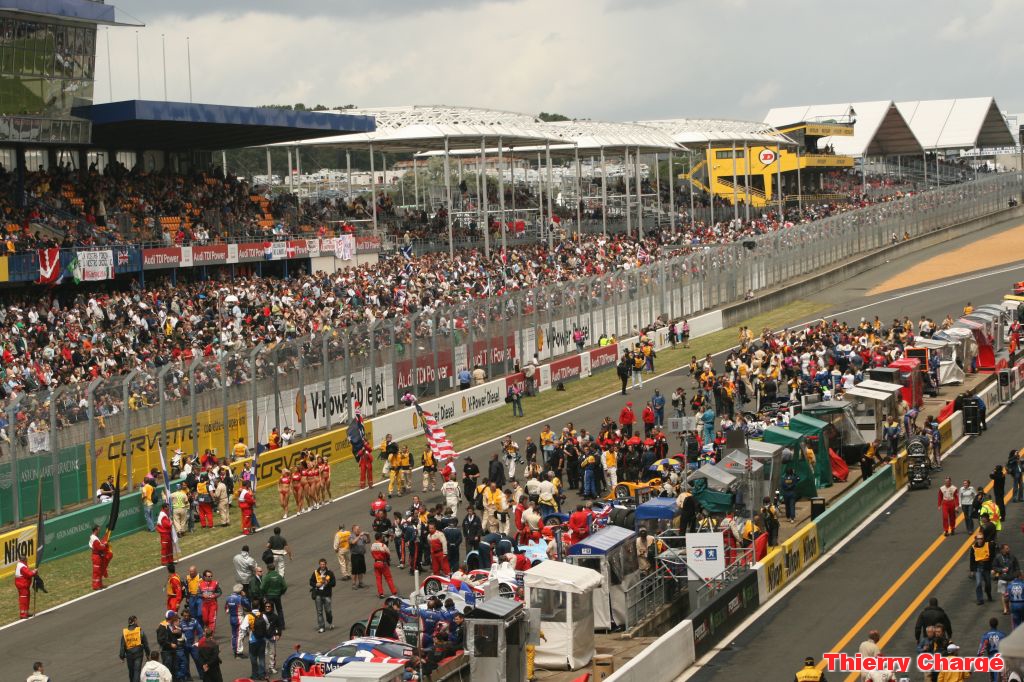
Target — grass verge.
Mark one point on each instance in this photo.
(69, 577)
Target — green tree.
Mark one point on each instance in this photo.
(551, 118)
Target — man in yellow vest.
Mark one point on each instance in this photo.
(810, 672)
(429, 469)
(990, 508)
(342, 547)
(134, 648)
(394, 469)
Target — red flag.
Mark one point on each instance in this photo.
(760, 546)
(49, 266)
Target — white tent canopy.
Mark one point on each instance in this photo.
(419, 128)
(879, 128)
(563, 577)
(703, 132)
(957, 123)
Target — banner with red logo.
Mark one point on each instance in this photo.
(368, 243)
(49, 266)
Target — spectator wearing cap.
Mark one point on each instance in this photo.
(168, 637)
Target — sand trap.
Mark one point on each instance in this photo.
(1001, 249)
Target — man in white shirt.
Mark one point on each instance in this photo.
(154, 670)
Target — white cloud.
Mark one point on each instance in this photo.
(586, 58)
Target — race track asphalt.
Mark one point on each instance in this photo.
(79, 641)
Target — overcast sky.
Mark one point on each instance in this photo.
(600, 59)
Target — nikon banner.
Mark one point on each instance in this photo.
(72, 475)
(112, 449)
(333, 445)
(22, 540)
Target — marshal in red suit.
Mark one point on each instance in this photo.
(165, 529)
(23, 576)
(101, 556)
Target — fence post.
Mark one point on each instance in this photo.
(55, 446)
(126, 393)
(325, 358)
(12, 421)
(254, 379)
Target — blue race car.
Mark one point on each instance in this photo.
(366, 649)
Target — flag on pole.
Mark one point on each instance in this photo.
(406, 252)
(167, 497)
(115, 504)
(40, 531)
(437, 439)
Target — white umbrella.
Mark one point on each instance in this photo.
(231, 299)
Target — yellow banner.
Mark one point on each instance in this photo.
(5, 275)
(144, 445)
(773, 573)
(334, 445)
(22, 539)
(801, 550)
(828, 129)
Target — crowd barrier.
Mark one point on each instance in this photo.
(667, 657)
(72, 481)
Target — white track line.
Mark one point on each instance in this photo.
(519, 428)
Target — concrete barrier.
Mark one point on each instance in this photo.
(666, 657)
(855, 506)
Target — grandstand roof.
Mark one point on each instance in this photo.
(587, 135)
(421, 128)
(170, 126)
(85, 11)
(957, 123)
(879, 128)
(703, 132)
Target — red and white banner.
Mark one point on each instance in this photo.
(367, 243)
(49, 266)
(164, 257)
(214, 254)
(604, 356)
(565, 369)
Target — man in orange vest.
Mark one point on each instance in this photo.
(101, 556)
(174, 590)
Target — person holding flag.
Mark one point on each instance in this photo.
(246, 503)
(166, 530)
(24, 578)
(100, 549)
(101, 556)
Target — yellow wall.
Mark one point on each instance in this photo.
(25, 538)
(112, 449)
(334, 445)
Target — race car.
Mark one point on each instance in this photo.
(472, 586)
(366, 649)
(412, 627)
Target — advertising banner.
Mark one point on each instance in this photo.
(719, 617)
(606, 356)
(69, 533)
(447, 410)
(318, 409)
(565, 370)
(367, 243)
(250, 251)
(216, 254)
(21, 540)
(705, 555)
(71, 471)
(279, 250)
(164, 257)
(333, 445)
(232, 253)
(186, 257)
(112, 448)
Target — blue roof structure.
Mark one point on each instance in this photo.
(184, 126)
(602, 542)
(658, 508)
(76, 10)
